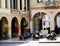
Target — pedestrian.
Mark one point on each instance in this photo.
(16, 30)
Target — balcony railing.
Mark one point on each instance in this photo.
(52, 4)
(24, 12)
(15, 11)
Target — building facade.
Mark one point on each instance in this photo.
(44, 14)
(12, 14)
(37, 14)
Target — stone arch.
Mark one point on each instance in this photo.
(57, 23)
(34, 12)
(35, 17)
(14, 27)
(37, 21)
(23, 25)
(55, 19)
(4, 27)
(38, 16)
(5, 19)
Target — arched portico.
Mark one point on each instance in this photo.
(4, 28)
(57, 23)
(23, 25)
(14, 27)
(38, 23)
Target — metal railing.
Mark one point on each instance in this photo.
(52, 4)
(15, 11)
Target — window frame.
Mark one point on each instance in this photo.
(11, 6)
(51, 1)
(20, 4)
(39, 1)
(6, 3)
(0, 3)
(15, 4)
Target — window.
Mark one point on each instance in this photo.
(51, 0)
(0, 3)
(28, 4)
(20, 4)
(25, 5)
(15, 4)
(11, 4)
(6, 5)
(39, 1)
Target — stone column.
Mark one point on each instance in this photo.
(18, 4)
(19, 26)
(9, 29)
(31, 26)
(3, 3)
(23, 5)
(51, 15)
(51, 23)
(19, 30)
(8, 4)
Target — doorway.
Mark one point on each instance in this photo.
(1, 29)
(14, 27)
(37, 22)
(23, 25)
(57, 23)
(4, 28)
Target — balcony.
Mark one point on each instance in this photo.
(4, 11)
(24, 12)
(15, 12)
(52, 4)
